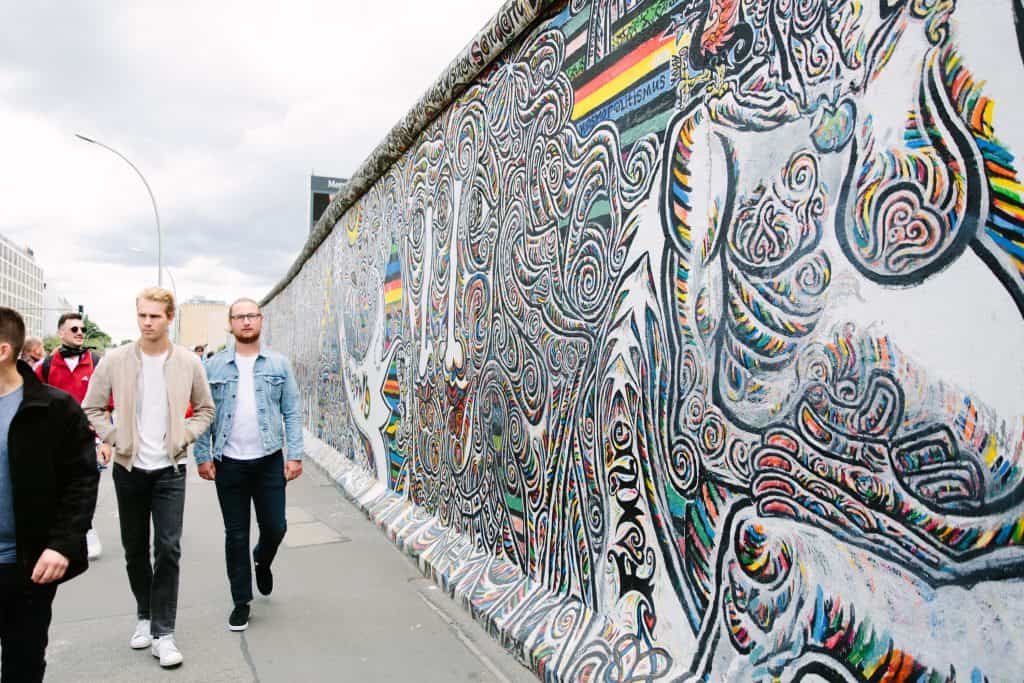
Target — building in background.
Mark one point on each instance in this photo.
(202, 321)
(54, 305)
(21, 284)
(321, 191)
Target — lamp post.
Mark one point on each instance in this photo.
(159, 234)
(174, 287)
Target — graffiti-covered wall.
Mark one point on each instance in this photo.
(705, 318)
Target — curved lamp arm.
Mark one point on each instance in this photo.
(156, 212)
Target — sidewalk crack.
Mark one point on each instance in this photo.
(247, 656)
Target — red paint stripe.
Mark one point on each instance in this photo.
(621, 66)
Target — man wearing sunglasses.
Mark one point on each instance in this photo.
(71, 365)
(69, 369)
(257, 415)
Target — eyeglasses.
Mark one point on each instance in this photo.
(246, 316)
(76, 329)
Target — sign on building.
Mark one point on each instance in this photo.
(321, 191)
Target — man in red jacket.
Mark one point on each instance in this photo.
(70, 368)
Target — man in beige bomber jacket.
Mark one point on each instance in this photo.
(152, 382)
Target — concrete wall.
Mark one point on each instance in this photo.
(687, 341)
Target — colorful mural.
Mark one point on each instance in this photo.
(697, 325)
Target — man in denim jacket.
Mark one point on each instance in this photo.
(257, 403)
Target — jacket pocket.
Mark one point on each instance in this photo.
(217, 389)
(274, 387)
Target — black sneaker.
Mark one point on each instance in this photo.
(264, 579)
(239, 619)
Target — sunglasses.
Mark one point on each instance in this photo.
(76, 329)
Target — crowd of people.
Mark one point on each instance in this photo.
(67, 415)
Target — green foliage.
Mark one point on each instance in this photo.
(95, 338)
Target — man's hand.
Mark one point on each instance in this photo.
(103, 453)
(292, 469)
(207, 470)
(50, 567)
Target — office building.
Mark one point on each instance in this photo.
(322, 189)
(21, 284)
(202, 321)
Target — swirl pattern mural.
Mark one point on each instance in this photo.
(685, 343)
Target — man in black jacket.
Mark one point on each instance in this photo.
(48, 483)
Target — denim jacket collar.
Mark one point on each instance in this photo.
(231, 353)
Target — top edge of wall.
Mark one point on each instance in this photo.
(513, 19)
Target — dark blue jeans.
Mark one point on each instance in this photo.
(25, 611)
(242, 485)
(158, 495)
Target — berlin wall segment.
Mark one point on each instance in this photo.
(686, 342)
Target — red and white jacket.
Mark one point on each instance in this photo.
(75, 382)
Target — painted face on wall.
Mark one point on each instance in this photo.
(791, 250)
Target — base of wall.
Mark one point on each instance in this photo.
(556, 636)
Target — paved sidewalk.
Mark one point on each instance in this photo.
(347, 606)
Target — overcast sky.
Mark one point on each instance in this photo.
(226, 108)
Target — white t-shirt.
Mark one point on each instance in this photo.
(244, 441)
(151, 414)
(72, 362)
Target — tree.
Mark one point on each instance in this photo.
(95, 338)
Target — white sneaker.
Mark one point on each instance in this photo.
(92, 542)
(166, 651)
(141, 638)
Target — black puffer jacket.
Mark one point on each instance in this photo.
(52, 456)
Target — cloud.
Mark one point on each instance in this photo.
(225, 107)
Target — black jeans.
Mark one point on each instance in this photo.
(160, 495)
(25, 611)
(240, 485)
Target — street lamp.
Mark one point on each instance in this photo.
(174, 287)
(159, 235)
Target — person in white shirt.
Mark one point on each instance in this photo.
(256, 395)
(152, 382)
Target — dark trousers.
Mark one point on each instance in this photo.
(241, 485)
(25, 611)
(158, 495)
